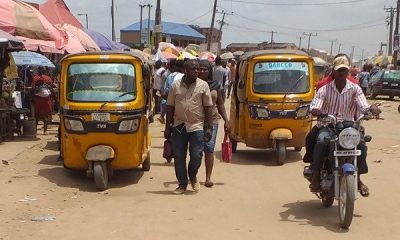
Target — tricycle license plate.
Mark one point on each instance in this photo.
(394, 84)
(345, 153)
(101, 117)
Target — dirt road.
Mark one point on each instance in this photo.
(252, 198)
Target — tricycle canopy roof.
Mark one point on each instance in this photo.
(122, 53)
(252, 54)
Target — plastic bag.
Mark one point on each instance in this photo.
(226, 149)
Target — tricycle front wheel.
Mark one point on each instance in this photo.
(100, 175)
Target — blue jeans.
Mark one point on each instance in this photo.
(181, 141)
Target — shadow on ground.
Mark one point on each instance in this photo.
(66, 178)
(260, 157)
(313, 213)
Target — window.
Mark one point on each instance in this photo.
(100, 82)
(281, 77)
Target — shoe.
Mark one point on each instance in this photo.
(179, 190)
(162, 120)
(315, 185)
(209, 184)
(195, 185)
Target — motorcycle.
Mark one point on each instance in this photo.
(338, 176)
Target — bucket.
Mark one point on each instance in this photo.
(29, 128)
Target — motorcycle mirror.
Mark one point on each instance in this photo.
(367, 138)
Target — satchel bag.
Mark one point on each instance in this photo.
(167, 152)
(226, 149)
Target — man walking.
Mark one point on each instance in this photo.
(188, 124)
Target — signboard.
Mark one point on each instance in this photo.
(280, 66)
(144, 37)
(158, 29)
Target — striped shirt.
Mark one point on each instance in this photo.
(345, 105)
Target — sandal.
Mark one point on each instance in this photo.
(364, 190)
(208, 184)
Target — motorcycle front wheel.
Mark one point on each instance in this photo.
(346, 200)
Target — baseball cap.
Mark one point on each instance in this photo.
(341, 62)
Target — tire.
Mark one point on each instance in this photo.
(346, 200)
(398, 109)
(327, 199)
(281, 152)
(234, 145)
(298, 149)
(100, 175)
(146, 163)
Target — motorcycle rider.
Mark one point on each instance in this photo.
(343, 99)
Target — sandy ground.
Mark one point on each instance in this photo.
(252, 198)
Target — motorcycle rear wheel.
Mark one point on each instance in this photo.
(347, 197)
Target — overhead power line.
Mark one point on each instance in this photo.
(296, 4)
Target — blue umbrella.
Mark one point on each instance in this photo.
(103, 42)
(32, 59)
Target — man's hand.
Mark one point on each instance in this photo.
(227, 126)
(375, 110)
(316, 112)
(207, 134)
(167, 132)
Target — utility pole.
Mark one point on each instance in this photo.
(222, 22)
(210, 31)
(112, 21)
(141, 20)
(158, 36)
(332, 41)
(391, 11)
(352, 53)
(300, 37)
(309, 35)
(340, 46)
(272, 38)
(148, 25)
(396, 35)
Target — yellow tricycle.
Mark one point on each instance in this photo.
(270, 104)
(104, 113)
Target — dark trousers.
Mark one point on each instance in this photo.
(181, 141)
(321, 152)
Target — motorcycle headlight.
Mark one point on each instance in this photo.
(259, 112)
(130, 125)
(302, 112)
(75, 125)
(349, 138)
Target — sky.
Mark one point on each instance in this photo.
(358, 23)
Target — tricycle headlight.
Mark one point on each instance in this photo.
(349, 138)
(130, 125)
(302, 112)
(74, 125)
(262, 112)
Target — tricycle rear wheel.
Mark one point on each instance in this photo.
(281, 152)
(146, 163)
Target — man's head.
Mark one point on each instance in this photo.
(218, 61)
(41, 70)
(158, 64)
(341, 66)
(192, 69)
(224, 63)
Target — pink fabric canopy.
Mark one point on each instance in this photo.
(57, 12)
(21, 19)
(87, 42)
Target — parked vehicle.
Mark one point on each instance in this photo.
(271, 98)
(384, 82)
(104, 113)
(339, 171)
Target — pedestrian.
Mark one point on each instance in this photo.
(218, 108)
(177, 69)
(364, 78)
(232, 76)
(219, 74)
(227, 78)
(159, 70)
(163, 98)
(188, 124)
(42, 87)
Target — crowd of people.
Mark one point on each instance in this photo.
(190, 96)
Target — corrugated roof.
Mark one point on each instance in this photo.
(242, 45)
(169, 28)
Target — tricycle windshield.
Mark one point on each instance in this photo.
(281, 77)
(101, 82)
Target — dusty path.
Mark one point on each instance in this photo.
(252, 198)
